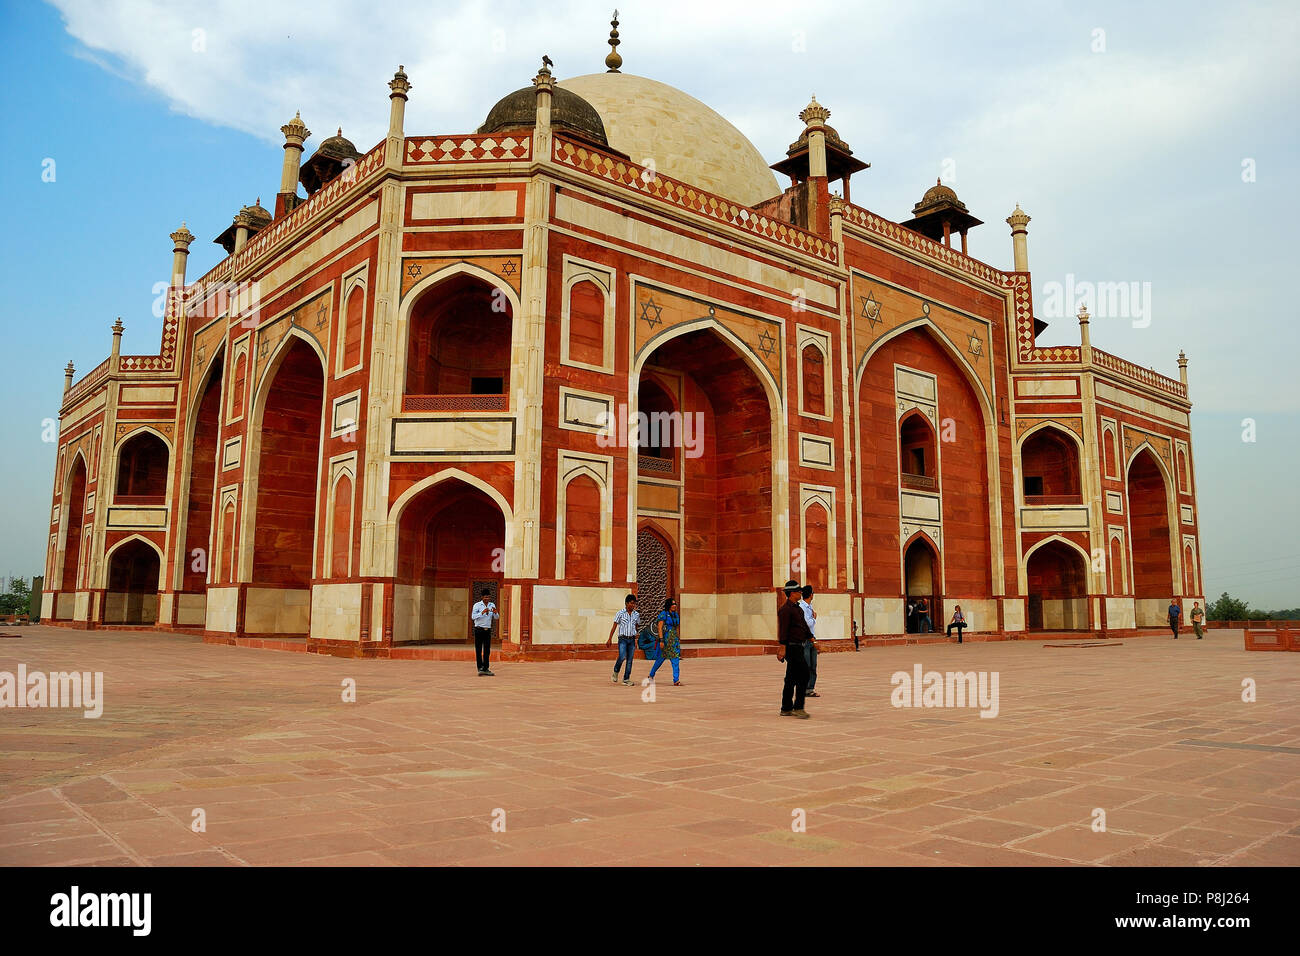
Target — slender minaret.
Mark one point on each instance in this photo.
(1182, 366)
(69, 371)
(814, 117)
(543, 86)
(398, 87)
(1085, 339)
(242, 224)
(181, 240)
(295, 134)
(118, 329)
(1019, 235)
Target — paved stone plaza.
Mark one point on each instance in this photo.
(1153, 732)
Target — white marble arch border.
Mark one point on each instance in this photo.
(340, 467)
(181, 519)
(513, 556)
(253, 451)
(598, 468)
(780, 451)
(991, 470)
(1089, 575)
(1116, 532)
(1171, 512)
(162, 558)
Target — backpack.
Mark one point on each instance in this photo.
(646, 639)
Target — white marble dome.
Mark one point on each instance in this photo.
(686, 139)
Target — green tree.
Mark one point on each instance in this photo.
(1227, 608)
(19, 598)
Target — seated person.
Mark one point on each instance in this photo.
(958, 621)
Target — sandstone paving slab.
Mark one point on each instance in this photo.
(589, 773)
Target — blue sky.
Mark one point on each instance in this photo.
(1126, 146)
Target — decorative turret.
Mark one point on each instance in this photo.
(1182, 366)
(398, 87)
(181, 240)
(819, 152)
(939, 214)
(118, 329)
(295, 134)
(69, 371)
(1019, 234)
(248, 222)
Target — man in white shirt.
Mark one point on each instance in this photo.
(483, 614)
(810, 616)
(627, 622)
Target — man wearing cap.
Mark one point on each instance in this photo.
(792, 633)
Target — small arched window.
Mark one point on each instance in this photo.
(341, 529)
(917, 454)
(1049, 464)
(142, 467)
(237, 386)
(353, 321)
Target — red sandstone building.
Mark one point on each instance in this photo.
(398, 390)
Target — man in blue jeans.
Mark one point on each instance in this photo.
(1175, 612)
(627, 622)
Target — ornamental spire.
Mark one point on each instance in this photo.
(613, 61)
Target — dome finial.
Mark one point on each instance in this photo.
(613, 61)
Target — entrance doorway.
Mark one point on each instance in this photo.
(921, 583)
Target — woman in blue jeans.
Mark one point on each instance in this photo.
(669, 646)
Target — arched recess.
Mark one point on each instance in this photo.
(141, 463)
(458, 325)
(818, 565)
(586, 321)
(1189, 571)
(656, 570)
(922, 578)
(1108, 452)
(134, 579)
(1184, 473)
(812, 378)
(450, 543)
(773, 521)
(227, 570)
(1153, 544)
(583, 497)
(972, 535)
(282, 447)
(73, 520)
(1118, 566)
(342, 507)
(1050, 465)
(199, 470)
(353, 331)
(1056, 575)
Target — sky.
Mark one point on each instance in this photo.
(1152, 144)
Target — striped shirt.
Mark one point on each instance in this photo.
(628, 624)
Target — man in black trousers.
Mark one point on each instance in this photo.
(793, 634)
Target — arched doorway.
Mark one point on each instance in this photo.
(654, 573)
(458, 342)
(288, 481)
(1152, 566)
(1057, 589)
(450, 547)
(142, 470)
(720, 448)
(133, 581)
(921, 580)
(199, 494)
(74, 496)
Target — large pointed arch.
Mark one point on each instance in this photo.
(991, 465)
(779, 438)
(182, 520)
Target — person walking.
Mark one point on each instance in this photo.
(958, 621)
(810, 617)
(1175, 612)
(855, 636)
(627, 622)
(925, 625)
(670, 648)
(1198, 617)
(483, 614)
(791, 634)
